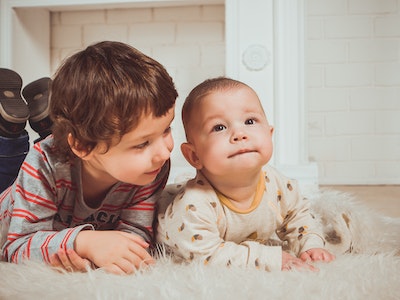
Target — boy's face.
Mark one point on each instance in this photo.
(138, 157)
(231, 134)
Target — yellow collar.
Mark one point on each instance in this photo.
(256, 201)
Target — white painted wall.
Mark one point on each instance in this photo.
(353, 90)
(188, 40)
(352, 61)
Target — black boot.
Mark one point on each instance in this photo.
(13, 110)
(36, 95)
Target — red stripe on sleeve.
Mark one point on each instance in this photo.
(45, 249)
(25, 214)
(36, 199)
(65, 240)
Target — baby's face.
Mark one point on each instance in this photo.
(231, 133)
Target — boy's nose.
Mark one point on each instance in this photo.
(163, 152)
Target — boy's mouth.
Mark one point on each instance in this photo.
(155, 172)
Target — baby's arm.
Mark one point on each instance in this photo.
(194, 229)
(317, 254)
(289, 262)
(298, 227)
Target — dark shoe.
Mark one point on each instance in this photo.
(13, 110)
(36, 95)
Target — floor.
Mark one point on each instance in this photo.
(382, 198)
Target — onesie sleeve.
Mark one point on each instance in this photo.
(298, 227)
(193, 227)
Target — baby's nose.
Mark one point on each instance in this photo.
(238, 136)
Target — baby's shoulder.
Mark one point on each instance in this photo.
(276, 178)
(194, 193)
(197, 190)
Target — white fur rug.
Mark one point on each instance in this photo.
(370, 271)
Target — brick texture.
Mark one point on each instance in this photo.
(352, 77)
(189, 41)
(353, 90)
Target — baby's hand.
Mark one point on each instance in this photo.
(317, 254)
(289, 261)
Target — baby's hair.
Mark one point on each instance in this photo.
(202, 90)
(100, 93)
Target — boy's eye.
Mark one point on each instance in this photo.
(218, 127)
(250, 122)
(168, 130)
(141, 146)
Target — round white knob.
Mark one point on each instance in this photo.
(256, 57)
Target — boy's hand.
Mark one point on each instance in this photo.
(70, 261)
(317, 254)
(289, 261)
(115, 251)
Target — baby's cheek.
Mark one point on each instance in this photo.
(213, 161)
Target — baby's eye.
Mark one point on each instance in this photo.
(250, 121)
(218, 127)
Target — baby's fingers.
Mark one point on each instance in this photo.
(298, 264)
(317, 255)
(327, 256)
(305, 256)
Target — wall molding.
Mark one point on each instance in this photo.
(264, 48)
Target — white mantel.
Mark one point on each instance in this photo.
(264, 48)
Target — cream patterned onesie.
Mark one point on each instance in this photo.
(201, 223)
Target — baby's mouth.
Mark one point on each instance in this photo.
(240, 152)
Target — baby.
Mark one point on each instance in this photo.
(237, 210)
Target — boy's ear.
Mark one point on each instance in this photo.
(82, 154)
(189, 153)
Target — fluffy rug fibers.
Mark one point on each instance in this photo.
(370, 269)
(348, 277)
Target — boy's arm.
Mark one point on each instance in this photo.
(28, 211)
(30, 233)
(114, 251)
(131, 253)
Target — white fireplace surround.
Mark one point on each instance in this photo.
(264, 48)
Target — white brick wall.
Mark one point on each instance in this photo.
(188, 41)
(353, 90)
(352, 72)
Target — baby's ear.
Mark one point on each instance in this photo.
(271, 129)
(189, 152)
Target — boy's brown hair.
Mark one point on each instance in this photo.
(101, 93)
